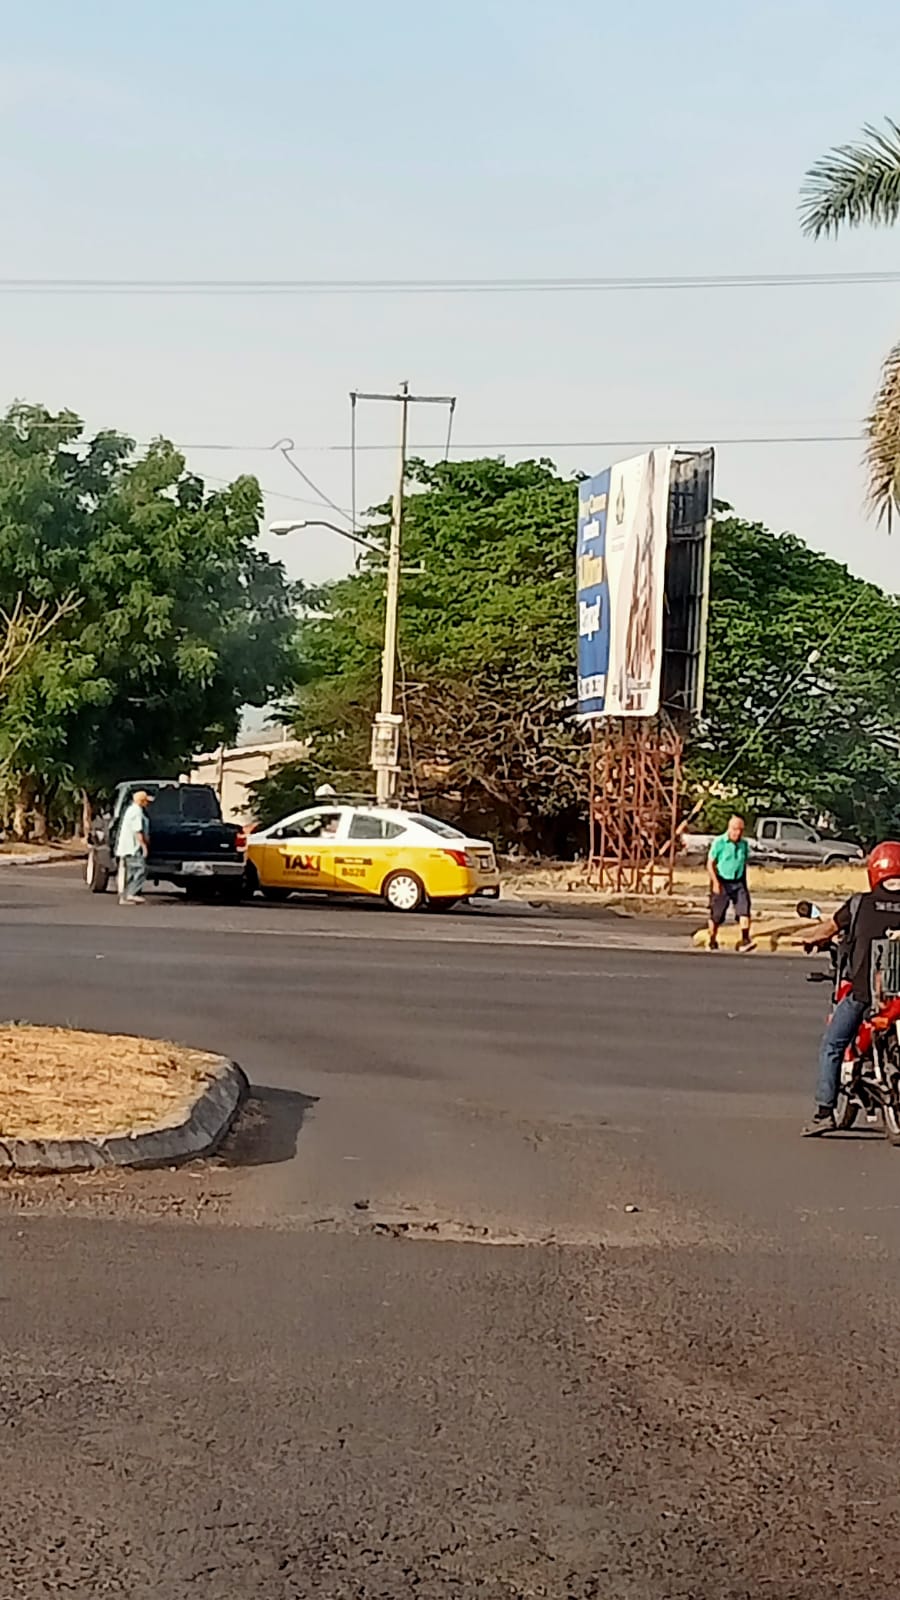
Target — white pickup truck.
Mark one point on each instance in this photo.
(782, 842)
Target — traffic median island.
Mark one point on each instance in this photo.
(77, 1101)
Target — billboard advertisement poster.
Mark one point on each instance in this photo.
(593, 595)
(621, 566)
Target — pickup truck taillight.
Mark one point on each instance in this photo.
(459, 856)
(240, 842)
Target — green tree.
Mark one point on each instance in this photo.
(23, 640)
(486, 651)
(855, 185)
(833, 743)
(180, 618)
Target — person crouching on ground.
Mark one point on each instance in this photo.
(727, 868)
(132, 849)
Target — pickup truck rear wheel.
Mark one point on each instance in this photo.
(95, 876)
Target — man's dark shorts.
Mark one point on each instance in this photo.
(734, 893)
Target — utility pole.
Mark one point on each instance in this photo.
(390, 730)
(385, 757)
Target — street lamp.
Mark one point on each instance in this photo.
(282, 528)
(387, 724)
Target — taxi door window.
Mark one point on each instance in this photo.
(316, 825)
(328, 824)
(364, 827)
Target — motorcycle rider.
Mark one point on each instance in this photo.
(857, 922)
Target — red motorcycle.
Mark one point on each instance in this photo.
(870, 1073)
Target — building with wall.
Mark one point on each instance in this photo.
(231, 769)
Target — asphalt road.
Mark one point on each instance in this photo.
(405, 1338)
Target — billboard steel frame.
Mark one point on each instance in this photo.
(635, 777)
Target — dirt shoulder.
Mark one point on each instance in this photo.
(17, 853)
(562, 887)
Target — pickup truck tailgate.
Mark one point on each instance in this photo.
(180, 831)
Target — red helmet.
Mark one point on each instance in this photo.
(884, 862)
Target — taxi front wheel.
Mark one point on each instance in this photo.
(403, 891)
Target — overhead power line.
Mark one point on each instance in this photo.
(455, 286)
(279, 494)
(285, 447)
(612, 444)
(669, 435)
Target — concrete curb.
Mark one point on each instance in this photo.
(765, 949)
(210, 1118)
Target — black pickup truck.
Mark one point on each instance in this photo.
(190, 845)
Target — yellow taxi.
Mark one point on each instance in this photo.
(405, 858)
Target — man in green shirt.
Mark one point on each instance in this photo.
(727, 868)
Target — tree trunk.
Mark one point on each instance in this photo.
(87, 813)
(39, 818)
(22, 807)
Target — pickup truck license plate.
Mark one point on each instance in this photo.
(197, 869)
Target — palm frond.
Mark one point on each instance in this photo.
(883, 446)
(854, 184)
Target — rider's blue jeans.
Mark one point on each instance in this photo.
(841, 1031)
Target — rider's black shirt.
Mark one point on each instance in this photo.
(878, 914)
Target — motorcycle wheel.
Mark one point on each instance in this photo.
(890, 1078)
(846, 1111)
(891, 1114)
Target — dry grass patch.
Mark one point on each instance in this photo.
(829, 884)
(521, 877)
(56, 1083)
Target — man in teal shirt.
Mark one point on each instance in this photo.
(727, 868)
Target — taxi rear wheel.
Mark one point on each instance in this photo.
(253, 886)
(403, 891)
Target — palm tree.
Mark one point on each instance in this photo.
(855, 184)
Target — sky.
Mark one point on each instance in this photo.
(505, 138)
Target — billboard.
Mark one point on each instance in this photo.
(621, 570)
